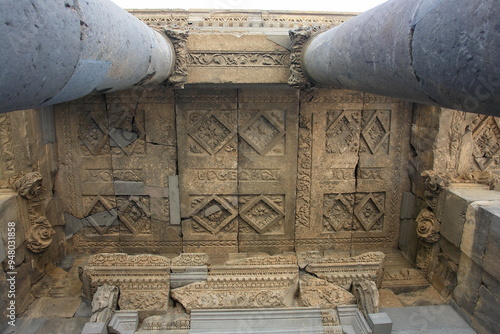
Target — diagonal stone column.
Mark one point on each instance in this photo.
(60, 50)
(441, 52)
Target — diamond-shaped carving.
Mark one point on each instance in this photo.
(93, 134)
(100, 214)
(214, 213)
(261, 214)
(486, 142)
(133, 214)
(262, 133)
(337, 211)
(343, 134)
(375, 133)
(211, 133)
(368, 212)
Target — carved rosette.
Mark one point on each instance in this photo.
(40, 235)
(299, 38)
(178, 37)
(428, 226)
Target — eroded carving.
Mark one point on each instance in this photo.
(143, 280)
(178, 36)
(299, 38)
(428, 226)
(222, 59)
(343, 271)
(104, 303)
(367, 296)
(319, 292)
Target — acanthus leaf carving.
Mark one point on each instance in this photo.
(428, 226)
(178, 36)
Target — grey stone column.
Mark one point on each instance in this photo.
(59, 50)
(440, 52)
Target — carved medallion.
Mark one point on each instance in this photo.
(214, 213)
(261, 214)
(262, 132)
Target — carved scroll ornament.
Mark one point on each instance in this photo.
(428, 226)
(178, 37)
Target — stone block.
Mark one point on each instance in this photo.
(492, 284)
(380, 323)
(491, 263)
(261, 320)
(190, 275)
(133, 275)
(127, 188)
(256, 282)
(469, 277)
(123, 322)
(63, 325)
(352, 320)
(450, 212)
(486, 311)
(480, 217)
(95, 328)
(174, 199)
(73, 224)
(316, 292)
(407, 206)
(24, 326)
(49, 307)
(436, 319)
(408, 239)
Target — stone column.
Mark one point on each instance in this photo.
(440, 52)
(60, 50)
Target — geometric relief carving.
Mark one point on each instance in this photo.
(214, 213)
(262, 132)
(212, 131)
(261, 213)
(342, 131)
(93, 133)
(376, 129)
(134, 213)
(353, 211)
(486, 138)
(337, 212)
(100, 214)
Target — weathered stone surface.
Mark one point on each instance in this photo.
(343, 271)
(143, 280)
(380, 323)
(318, 292)
(104, 303)
(173, 321)
(188, 276)
(185, 260)
(95, 328)
(486, 311)
(443, 277)
(469, 280)
(282, 320)
(342, 172)
(476, 228)
(270, 281)
(123, 322)
(452, 206)
(367, 296)
(490, 260)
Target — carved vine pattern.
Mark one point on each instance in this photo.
(245, 59)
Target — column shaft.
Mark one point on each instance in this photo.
(441, 52)
(60, 50)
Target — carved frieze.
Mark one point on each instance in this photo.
(299, 38)
(319, 292)
(267, 281)
(185, 260)
(6, 148)
(343, 271)
(240, 59)
(143, 280)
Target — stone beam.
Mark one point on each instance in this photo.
(439, 52)
(60, 50)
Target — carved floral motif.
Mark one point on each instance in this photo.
(178, 36)
(39, 235)
(428, 226)
(220, 59)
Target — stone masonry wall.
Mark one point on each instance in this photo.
(450, 221)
